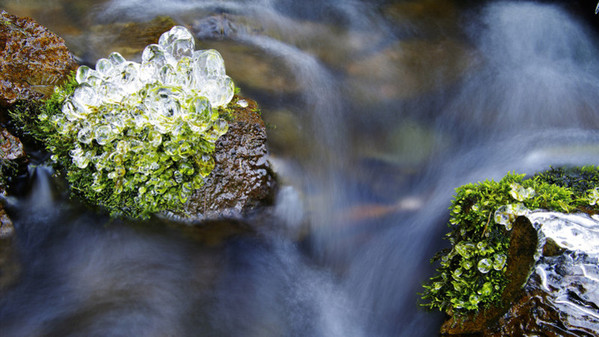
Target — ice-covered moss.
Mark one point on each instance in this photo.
(138, 138)
(471, 274)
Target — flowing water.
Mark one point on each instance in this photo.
(379, 110)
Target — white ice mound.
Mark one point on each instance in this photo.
(172, 63)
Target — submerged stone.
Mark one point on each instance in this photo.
(32, 60)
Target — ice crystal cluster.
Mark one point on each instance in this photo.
(141, 135)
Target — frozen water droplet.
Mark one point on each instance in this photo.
(110, 91)
(72, 110)
(104, 134)
(177, 42)
(122, 147)
(200, 107)
(116, 59)
(208, 64)
(184, 70)
(154, 53)
(105, 68)
(465, 249)
(85, 96)
(221, 126)
(499, 261)
(487, 289)
(502, 216)
(85, 135)
(79, 158)
(242, 103)
(167, 75)
(484, 266)
(128, 78)
(82, 74)
(154, 138)
(218, 90)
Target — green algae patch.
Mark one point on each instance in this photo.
(138, 138)
(471, 275)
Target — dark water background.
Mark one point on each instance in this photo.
(378, 110)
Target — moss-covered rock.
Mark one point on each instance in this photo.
(139, 138)
(32, 60)
(472, 276)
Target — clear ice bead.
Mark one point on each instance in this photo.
(79, 158)
(177, 42)
(72, 111)
(219, 90)
(85, 135)
(499, 261)
(128, 78)
(82, 74)
(208, 64)
(465, 249)
(86, 96)
(200, 107)
(484, 266)
(104, 134)
(167, 75)
(105, 68)
(110, 91)
(116, 59)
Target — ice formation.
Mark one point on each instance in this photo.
(149, 128)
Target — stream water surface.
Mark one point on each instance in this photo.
(377, 111)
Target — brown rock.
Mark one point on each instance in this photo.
(242, 178)
(32, 60)
(11, 147)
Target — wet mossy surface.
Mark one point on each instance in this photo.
(472, 277)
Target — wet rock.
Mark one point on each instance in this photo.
(242, 178)
(11, 147)
(32, 60)
(11, 150)
(561, 296)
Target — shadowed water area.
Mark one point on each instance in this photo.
(377, 111)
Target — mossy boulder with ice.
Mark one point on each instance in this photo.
(138, 138)
(473, 279)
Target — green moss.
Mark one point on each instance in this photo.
(471, 274)
(137, 138)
